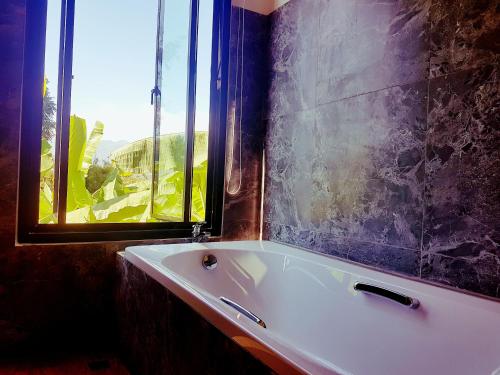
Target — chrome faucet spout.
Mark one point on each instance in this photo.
(197, 234)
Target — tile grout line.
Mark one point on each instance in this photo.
(424, 184)
(318, 105)
(354, 239)
(372, 92)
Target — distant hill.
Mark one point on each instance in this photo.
(105, 148)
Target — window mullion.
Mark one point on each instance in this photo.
(60, 85)
(218, 113)
(156, 101)
(64, 110)
(191, 109)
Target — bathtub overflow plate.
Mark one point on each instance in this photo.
(209, 262)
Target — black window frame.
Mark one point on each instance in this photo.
(29, 230)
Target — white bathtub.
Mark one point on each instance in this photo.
(317, 322)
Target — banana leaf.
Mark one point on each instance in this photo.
(47, 160)
(81, 215)
(45, 210)
(91, 146)
(78, 196)
(121, 208)
(199, 192)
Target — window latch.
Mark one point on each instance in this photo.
(155, 92)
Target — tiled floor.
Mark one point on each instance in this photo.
(70, 366)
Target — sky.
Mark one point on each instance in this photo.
(114, 64)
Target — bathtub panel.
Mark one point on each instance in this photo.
(161, 335)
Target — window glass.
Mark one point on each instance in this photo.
(46, 211)
(111, 126)
(126, 159)
(203, 76)
(171, 121)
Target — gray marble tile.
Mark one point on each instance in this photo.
(463, 164)
(464, 35)
(290, 148)
(368, 167)
(337, 18)
(480, 275)
(325, 243)
(360, 172)
(391, 258)
(293, 56)
(368, 45)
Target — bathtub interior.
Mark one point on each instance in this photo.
(314, 308)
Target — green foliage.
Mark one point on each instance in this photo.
(96, 176)
(45, 209)
(121, 192)
(169, 200)
(91, 146)
(49, 113)
(78, 196)
(199, 192)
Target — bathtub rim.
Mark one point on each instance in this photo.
(350, 267)
(353, 263)
(389, 272)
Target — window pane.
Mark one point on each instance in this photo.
(46, 212)
(171, 124)
(111, 127)
(200, 160)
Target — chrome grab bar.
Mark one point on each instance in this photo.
(244, 311)
(412, 303)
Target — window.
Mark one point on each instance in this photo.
(123, 122)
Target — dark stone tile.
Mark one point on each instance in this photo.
(368, 167)
(248, 85)
(369, 45)
(153, 336)
(480, 275)
(55, 297)
(388, 258)
(464, 35)
(243, 189)
(463, 164)
(12, 14)
(293, 56)
(249, 77)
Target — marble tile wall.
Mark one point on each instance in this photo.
(383, 137)
(56, 297)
